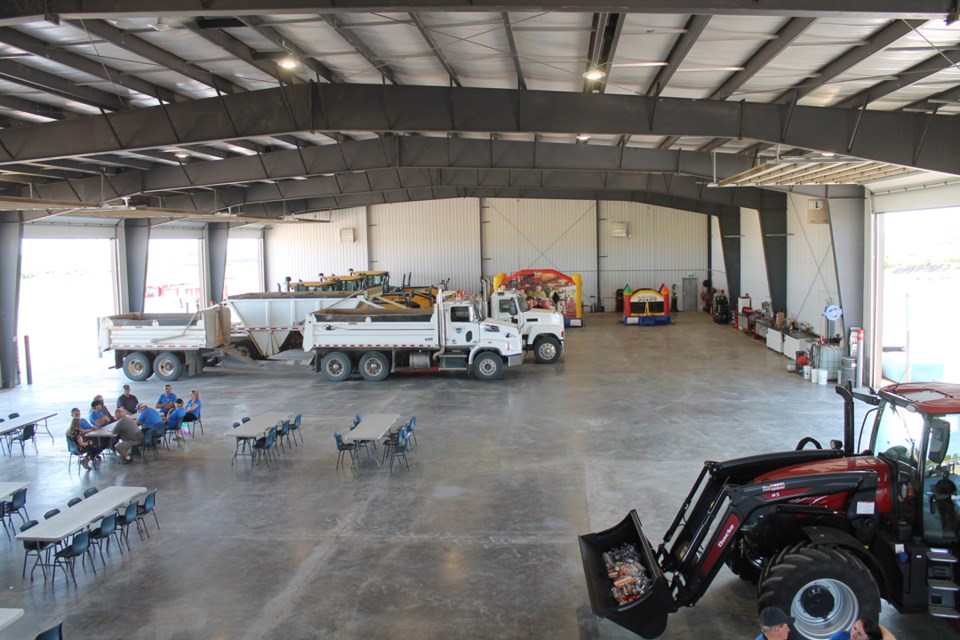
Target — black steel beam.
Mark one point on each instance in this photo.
(238, 49)
(916, 73)
(49, 83)
(604, 38)
(508, 28)
(344, 31)
(435, 48)
(33, 108)
(24, 10)
(270, 33)
(882, 136)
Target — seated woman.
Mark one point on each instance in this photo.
(193, 407)
(78, 427)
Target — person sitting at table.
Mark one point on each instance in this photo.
(149, 418)
(130, 436)
(99, 398)
(78, 427)
(193, 407)
(166, 401)
(175, 417)
(126, 403)
(99, 416)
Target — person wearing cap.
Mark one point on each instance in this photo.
(99, 416)
(126, 403)
(864, 629)
(149, 417)
(166, 400)
(774, 624)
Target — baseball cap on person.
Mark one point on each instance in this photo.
(773, 616)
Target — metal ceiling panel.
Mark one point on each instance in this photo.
(476, 45)
(553, 49)
(396, 41)
(644, 39)
(311, 34)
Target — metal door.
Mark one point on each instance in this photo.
(691, 294)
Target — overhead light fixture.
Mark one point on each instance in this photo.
(160, 25)
(594, 74)
(827, 154)
(182, 154)
(288, 62)
(583, 137)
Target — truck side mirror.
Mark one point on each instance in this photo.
(939, 440)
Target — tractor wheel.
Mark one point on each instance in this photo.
(547, 350)
(743, 565)
(487, 366)
(374, 366)
(336, 366)
(824, 588)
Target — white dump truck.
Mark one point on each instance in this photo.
(452, 336)
(267, 324)
(542, 330)
(167, 345)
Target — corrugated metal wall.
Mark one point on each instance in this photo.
(541, 234)
(718, 268)
(663, 246)
(753, 266)
(431, 241)
(303, 250)
(811, 267)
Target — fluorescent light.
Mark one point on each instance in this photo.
(827, 154)
(288, 62)
(583, 137)
(594, 74)
(182, 154)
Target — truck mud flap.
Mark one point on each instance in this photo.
(647, 616)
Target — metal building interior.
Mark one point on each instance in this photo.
(260, 113)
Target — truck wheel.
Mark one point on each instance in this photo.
(246, 349)
(547, 350)
(825, 589)
(137, 366)
(487, 366)
(167, 366)
(374, 366)
(335, 366)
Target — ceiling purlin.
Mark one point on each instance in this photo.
(604, 37)
(345, 32)
(681, 47)
(212, 32)
(916, 73)
(270, 33)
(55, 85)
(877, 42)
(92, 67)
(435, 48)
(508, 28)
(33, 108)
(931, 103)
(767, 52)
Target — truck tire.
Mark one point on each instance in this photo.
(137, 366)
(336, 366)
(488, 366)
(167, 366)
(246, 349)
(547, 350)
(374, 366)
(825, 589)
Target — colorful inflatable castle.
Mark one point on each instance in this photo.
(646, 306)
(548, 289)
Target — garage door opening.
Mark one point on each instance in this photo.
(173, 276)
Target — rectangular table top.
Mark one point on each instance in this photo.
(85, 512)
(7, 489)
(102, 432)
(7, 616)
(18, 423)
(372, 427)
(258, 425)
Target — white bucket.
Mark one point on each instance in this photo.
(814, 375)
(822, 376)
(806, 372)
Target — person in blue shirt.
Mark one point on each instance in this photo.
(774, 624)
(193, 407)
(98, 416)
(149, 417)
(175, 417)
(864, 629)
(166, 401)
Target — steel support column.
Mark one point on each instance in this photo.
(11, 234)
(730, 241)
(847, 219)
(217, 235)
(773, 228)
(136, 245)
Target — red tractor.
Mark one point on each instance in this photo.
(825, 533)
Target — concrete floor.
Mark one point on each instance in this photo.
(477, 540)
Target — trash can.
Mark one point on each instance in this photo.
(619, 300)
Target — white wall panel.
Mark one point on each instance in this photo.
(432, 241)
(541, 234)
(718, 268)
(753, 266)
(663, 246)
(811, 267)
(303, 250)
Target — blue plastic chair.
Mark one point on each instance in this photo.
(17, 505)
(34, 547)
(53, 633)
(265, 445)
(412, 425)
(401, 448)
(343, 448)
(74, 451)
(149, 506)
(295, 428)
(90, 491)
(67, 557)
(125, 519)
(106, 530)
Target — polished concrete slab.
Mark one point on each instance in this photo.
(477, 540)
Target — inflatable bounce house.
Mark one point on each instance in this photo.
(548, 289)
(646, 306)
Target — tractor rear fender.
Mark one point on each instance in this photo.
(829, 536)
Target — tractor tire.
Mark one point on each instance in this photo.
(138, 366)
(742, 565)
(547, 350)
(336, 366)
(487, 366)
(825, 589)
(374, 366)
(168, 366)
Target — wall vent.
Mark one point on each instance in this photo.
(347, 235)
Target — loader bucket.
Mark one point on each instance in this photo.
(647, 617)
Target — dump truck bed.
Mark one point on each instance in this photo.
(206, 329)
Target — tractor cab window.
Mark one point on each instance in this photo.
(941, 480)
(508, 306)
(899, 439)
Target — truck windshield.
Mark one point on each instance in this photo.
(522, 303)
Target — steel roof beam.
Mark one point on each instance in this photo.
(345, 32)
(882, 136)
(270, 33)
(34, 108)
(604, 37)
(916, 73)
(508, 28)
(435, 48)
(55, 85)
(27, 10)
(215, 35)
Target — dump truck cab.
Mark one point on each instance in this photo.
(542, 330)
(825, 532)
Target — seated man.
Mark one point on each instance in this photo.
(130, 436)
(175, 417)
(165, 402)
(149, 417)
(127, 403)
(99, 416)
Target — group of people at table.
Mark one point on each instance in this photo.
(129, 422)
